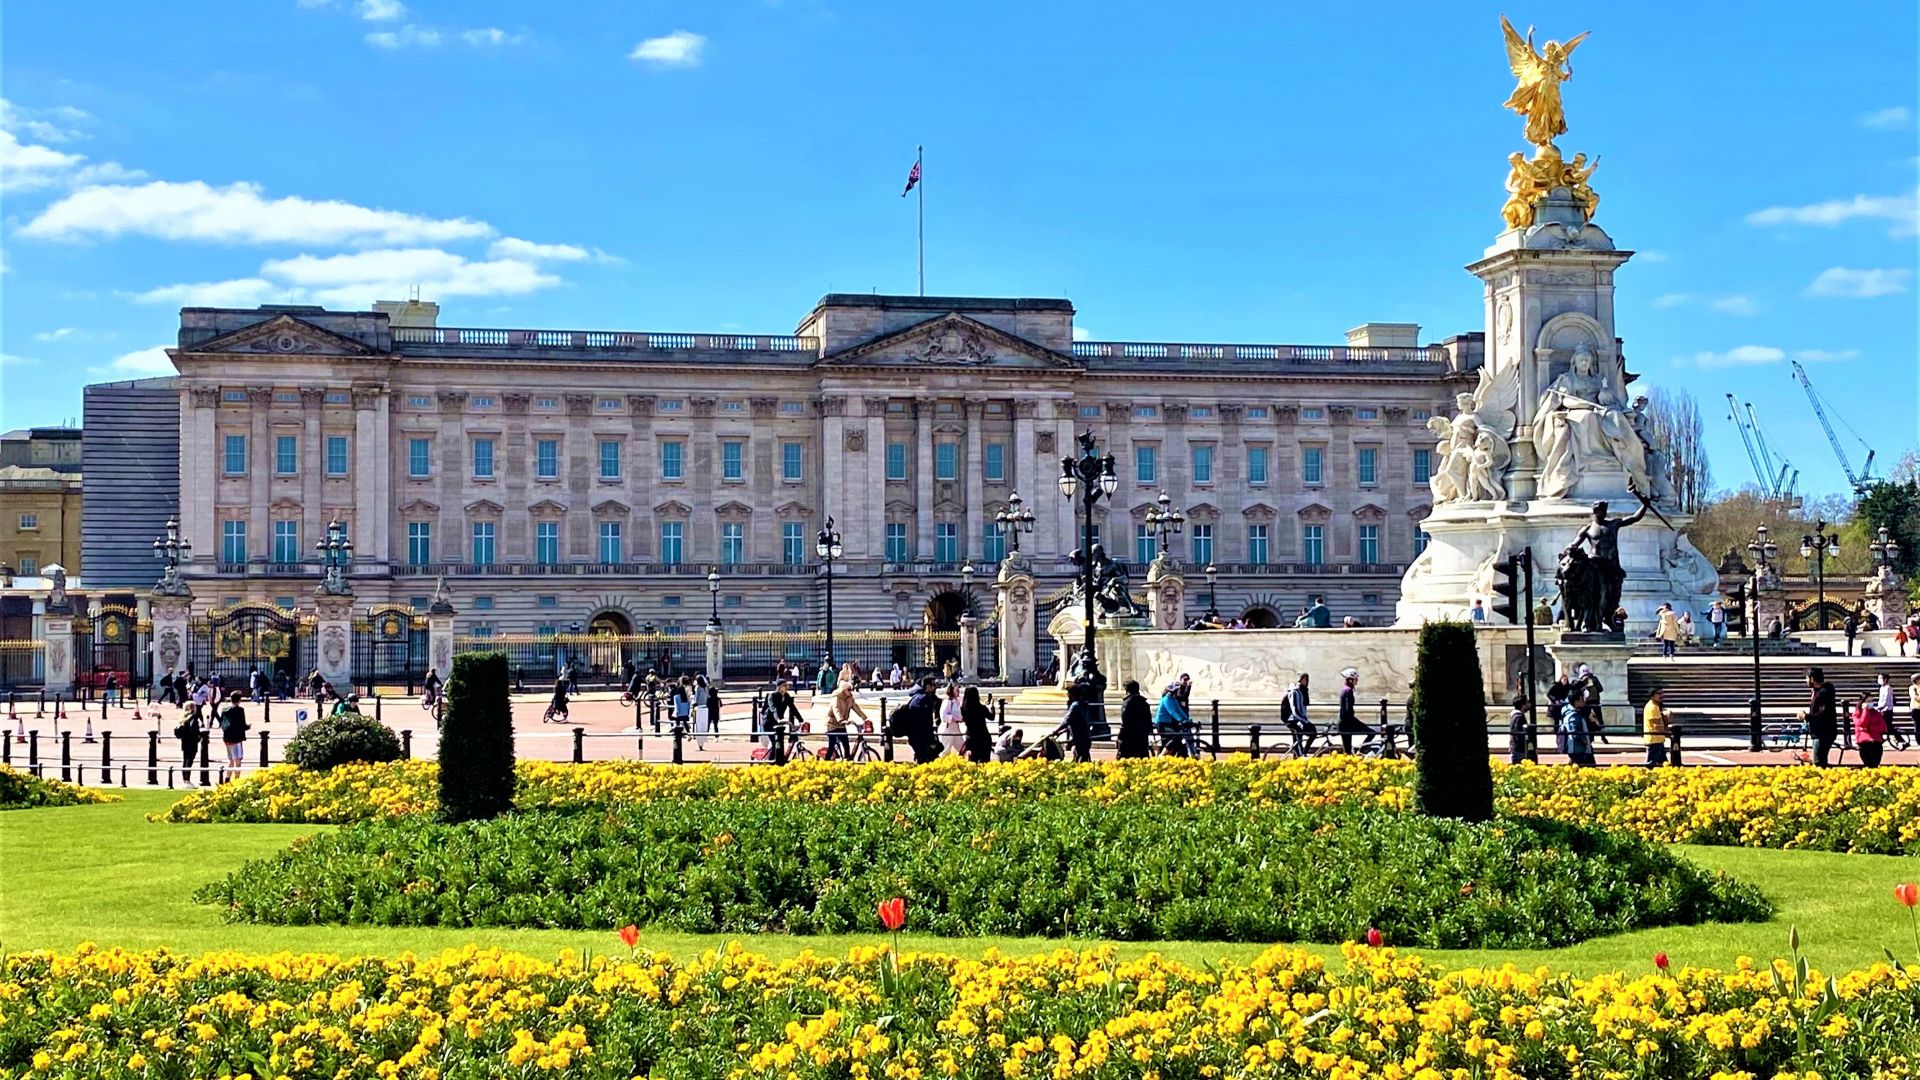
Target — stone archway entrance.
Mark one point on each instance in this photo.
(941, 623)
(1261, 617)
(615, 623)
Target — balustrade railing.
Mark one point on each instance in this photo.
(599, 339)
(1298, 354)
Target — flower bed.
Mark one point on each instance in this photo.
(23, 790)
(1127, 871)
(1874, 811)
(483, 1014)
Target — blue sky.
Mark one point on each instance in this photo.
(1226, 172)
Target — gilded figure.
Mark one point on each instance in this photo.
(1536, 95)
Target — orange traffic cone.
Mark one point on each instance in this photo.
(89, 735)
(20, 731)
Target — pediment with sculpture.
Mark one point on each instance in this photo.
(284, 335)
(952, 341)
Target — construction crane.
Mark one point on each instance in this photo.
(1858, 480)
(1771, 469)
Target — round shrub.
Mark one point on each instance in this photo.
(339, 740)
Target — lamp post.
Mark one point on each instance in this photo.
(1213, 577)
(171, 550)
(827, 545)
(1885, 549)
(1085, 481)
(966, 586)
(1763, 550)
(1165, 521)
(713, 591)
(1817, 546)
(1013, 521)
(336, 551)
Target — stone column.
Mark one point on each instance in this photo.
(312, 403)
(260, 472)
(1064, 444)
(1609, 663)
(923, 479)
(440, 615)
(1166, 595)
(59, 631)
(716, 653)
(333, 632)
(1028, 477)
(171, 612)
(838, 499)
(1886, 598)
(1014, 607)
(974, 471)
(969, 648)
(871, 541)
(201, 464)
(372, 495)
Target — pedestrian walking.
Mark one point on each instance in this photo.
(1575, 739)
(557, 709)
(953, 725)
(1350, 722)
(1656, 720)
(914, 721)
(1136, 723)
(825, 679)
(1821, 716)
(1172, 722)
(974, 714)
(1852, 629)
(1479, 612)
(1667, 629)
(1869, 733)
(233, 737)
(1717, 622)
(188, 732)
(1519, 731)
(680, 702)
(110, 691)
(1913, 704)
(702, 719)
(1082, 711)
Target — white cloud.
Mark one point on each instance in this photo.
(490, 37)
(237, 214)
(409, 34)
(382, 10)
(13, 360)
(1733, 304)
(139, 364)
(62, 123)
(1825, 356)
(679, 49)
(358, 279)
(1899, 209)
(1739, 356)
(26, 167)
(512, 247)
(29, 166)
(1081, 333)
(1895, 116)
(238, 293)
(1736, 305)
(1859, 284)
(1651, 256)
(55, 335)
(1672, 299)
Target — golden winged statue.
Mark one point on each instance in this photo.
(1536, 95)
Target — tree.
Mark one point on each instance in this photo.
(1729, 522)
(1674, 420)
(1447, 716)
(476, 740)
(1894, 507)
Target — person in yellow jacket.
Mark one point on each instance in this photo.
(1656, 720)
(1667, 630)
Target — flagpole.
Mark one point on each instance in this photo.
(919, 155)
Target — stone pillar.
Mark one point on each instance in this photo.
(1014, 607)
(969, 648)
(260, 464)
(1166, 595)
(372, 482)
(1886, 598)
(313, 447)
(333, 633)
(1769, 602)
(59, 670)
(923, 409)
(974, 472)
(171, 612)
(716, 653)
(440, 615)
(1609, 663)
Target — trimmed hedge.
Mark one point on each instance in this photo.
(341, 740)
(1448, 717)
(476, 740)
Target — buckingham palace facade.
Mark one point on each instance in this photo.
(563, 479)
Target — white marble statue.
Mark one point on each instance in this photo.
(1659, 462)
(1471, 457)
(1580, 426)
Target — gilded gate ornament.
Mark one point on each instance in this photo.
(1536, 96)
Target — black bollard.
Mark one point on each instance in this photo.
(886, 733)
(679, 744)
(1253, 741)
(653, 710)
(1756, 739)
(206, 775)
(153, 759)
(579, 745)
(1001, 707)
(636, 714)
(379, 706)
(780, 743)
(106, 757)
(406, 743)
(1383, 713)
(1215, 709)
(6, 748)
(33, 751)
(263, 748)
(66, 756)
(1673, 746)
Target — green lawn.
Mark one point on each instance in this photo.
(107, 875)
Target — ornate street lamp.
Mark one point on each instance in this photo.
(1817, 546)
(966, 585)
(1013, 521)
(171, 550)
(1885, 549)
(827, 545)
(336, 552)
(1085, 481)
(1764, 551)
(1165, 521)
(713, 591)
(1213, 577)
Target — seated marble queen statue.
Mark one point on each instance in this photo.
(1581, 427)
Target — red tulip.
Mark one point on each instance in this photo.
(1660, 960)
(1907, 893)
(1375, 938)
(630, 935)
(893, 913)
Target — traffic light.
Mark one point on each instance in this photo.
(1507, 585)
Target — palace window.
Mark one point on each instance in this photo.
(673, 462)
(946, 542)
(1369, 543)
(1146, 464)
(672, 539)
(1203, 463)
(1256, 412)
(896, 461)
(337, 397)
(609, 459)
(792, 462)
(236, 455)
(286, 541)
(896, 542)
(233, 541)
(1313, 544)
(546, 542)
(1422, 466)
(1420, 539)
(1145, 412)
(1257, 544)
(483, 459)
(1367, 413)
(419, 543)
(733, 460)
(419, 401)
(419, 457)
(1313, 412)
(1090, 412)
(733, 543)
(483, 543)
(793, 543)
(1202, 545)
(995, 470)
(993, 545)
(1145, 544)
(793, 408)
(546, 459)
(29, 521)
(336, 455)
(1256, 464)
(286, 455)
(1367, 466)
(611, 549)
(946, 461)
(1311, 462)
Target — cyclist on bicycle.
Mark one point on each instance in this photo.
(840, 710)
(431, 696)
(557, 712)
(1293, 713)
(1173, 723)
(1350, 722)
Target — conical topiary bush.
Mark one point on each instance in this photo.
(1448, 721)
(476, 740)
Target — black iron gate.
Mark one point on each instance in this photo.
(110, 644)
(390, 648)
(232, 642)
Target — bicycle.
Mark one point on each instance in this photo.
(1309, 741)
(1382, 745)
(858, 748)
(796, 750)
(1183, 741)
(433, 704)
(554, 715)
